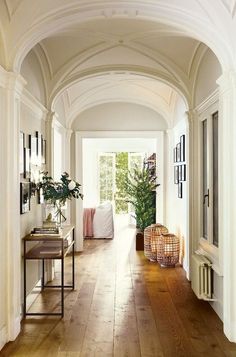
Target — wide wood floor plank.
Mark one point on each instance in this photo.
(123, 306)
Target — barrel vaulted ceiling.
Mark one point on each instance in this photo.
(119, 60)
(116, 53)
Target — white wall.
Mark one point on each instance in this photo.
(91, 150)
(32, 73)
(60, 110)
(119, 116)
(176, 208)
(29, 123)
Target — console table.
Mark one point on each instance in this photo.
(50, 247)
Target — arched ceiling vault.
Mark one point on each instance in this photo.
(149, 44)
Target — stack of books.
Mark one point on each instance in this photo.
(50, 231)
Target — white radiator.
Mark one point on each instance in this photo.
(201, 277)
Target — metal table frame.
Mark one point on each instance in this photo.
(33, 254)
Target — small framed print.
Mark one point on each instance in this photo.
(43, 161)
(182, 148)
(21, 158)
(40, 196)
(175, 154)
(176, 174)
(180, 172)
(33, 150)
(178, 152)
(26, 163)
(180, 190)
(183, 172)
(39, 147)
(25, 197)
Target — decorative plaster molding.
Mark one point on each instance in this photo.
(32, 103)
(209, 101)
(227, 81)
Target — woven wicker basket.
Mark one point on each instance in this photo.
(168, 250)
(151, 236)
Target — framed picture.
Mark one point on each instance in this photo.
(26, 163)
(178, 152)
(24, 197)
(175, 154)
(180, 190)
(33, 150)
(39, 147)
(180, 172)
(176, 174)
(43, 161)
(21, 158)
(40, 196)
(183, 172)
(182, 148)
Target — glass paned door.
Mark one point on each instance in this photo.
(204, 181)
(210, 225)
(215, 185)
(106, 177)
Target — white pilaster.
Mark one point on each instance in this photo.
(50, 121)
(11, 86)
(192, 186)
(227, 196)
(79, 203)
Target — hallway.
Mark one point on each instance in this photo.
(124, 305)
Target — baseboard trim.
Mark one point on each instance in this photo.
(3, 337)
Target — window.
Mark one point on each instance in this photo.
(209, 192)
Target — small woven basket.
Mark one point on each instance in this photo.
(168, 250)
(151, 236)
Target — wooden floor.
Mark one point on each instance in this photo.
(123, 305)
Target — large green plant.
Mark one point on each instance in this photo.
(140, 187)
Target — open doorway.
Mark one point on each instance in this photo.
(105, 162)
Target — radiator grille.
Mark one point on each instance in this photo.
(201, 277)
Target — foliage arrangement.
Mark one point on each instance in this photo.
(57, 193)
(140, 187)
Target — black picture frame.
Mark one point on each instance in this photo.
(175, 154)
(39, 147)
(178, 152)
(21, 153)
(176, 174)
(44, 148)
(180, 190)
(27, 172)
(40, 196)
(183, 172)
(33, 150)
(180, 173)
(182, 148)
(25, 194)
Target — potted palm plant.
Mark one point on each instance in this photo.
(140, 188)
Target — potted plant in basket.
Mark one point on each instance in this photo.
(56, 193)
(140, 187)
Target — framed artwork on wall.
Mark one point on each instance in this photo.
(26, 163)
(182, 148)
(180, 190)
(33, 150)
(183, 172)
(21, 158)
(178, 152)
(175, 154)
(25, 197)
(43, 160)
(176, 174)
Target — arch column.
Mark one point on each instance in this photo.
(50, 121)
(11, 87)
(227, 197)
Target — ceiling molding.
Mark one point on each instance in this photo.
(193, 23)
(136, 70)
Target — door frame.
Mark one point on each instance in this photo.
(80, 135)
